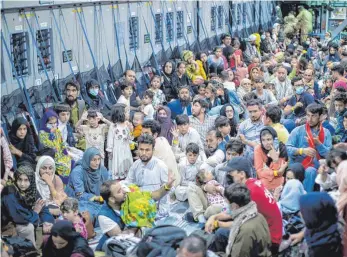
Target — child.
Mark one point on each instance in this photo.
(344, 136)
(223, 126)
(50, 137)
(94, 132)
(340, 103)
(188, 168)
(183, 135)
(202, 91)
(63, 111)
(210, 95)
(127, 90)
(137, 123)
(159, 97)
(227, 78)
(118, 141)
(69, 210)
(327, 87)
(147, 101)
(206, 178)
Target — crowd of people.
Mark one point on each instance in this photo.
(253, 135)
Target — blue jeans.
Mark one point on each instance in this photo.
(310, 177)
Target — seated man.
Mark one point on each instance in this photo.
(150, 173)
(109, 216)
(249, 233)
(295, 109)
(309, 143)
(192, 246)
(239, 169)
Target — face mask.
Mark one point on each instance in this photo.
(263, 37)
(94, 92)
(49, 126)
(299, 90)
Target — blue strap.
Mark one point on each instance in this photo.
(38, 28)
(23, 89)
(191, 24)
(89, 47)
(115, 30)
(63, 44)
(170, 21)
(57, 97)
(157, 28)
(103, 28)
(226, 15)
(185, 36)
(150, 41)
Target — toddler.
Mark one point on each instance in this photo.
(148, 109)
(202, 91)
(69, 209)
(94, 132)
(205, 177)
(159, 97)
(137, 123)
(118, 142)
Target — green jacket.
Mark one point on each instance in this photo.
(253, 239)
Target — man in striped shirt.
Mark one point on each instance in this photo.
(249, 130)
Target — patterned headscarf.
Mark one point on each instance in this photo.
(28, 196)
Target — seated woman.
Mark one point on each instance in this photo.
(22, 206)
(228, 111)
(163, 116)
(85, 181)
(322, 234)
(50, 186)
(22, 144)
(289, 201)
(270, 161)
(51, 137)
(168, 88)
(65, 241)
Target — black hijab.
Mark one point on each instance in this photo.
(282, 148)
(76, 243)
(28, 197)
(232, 122)
(25, 145)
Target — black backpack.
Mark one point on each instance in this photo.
(22, 247)
(160, 241)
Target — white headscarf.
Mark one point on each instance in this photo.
(41, 185)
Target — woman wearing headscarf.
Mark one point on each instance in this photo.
(50, 186)
(194, 71)
(170, 91)
(22, 144)
(229, 112)
(95, 99)
(270, 160)
(341, 179)
(320, 215)
(64, 241)
(201, 60)
(166, 124)
(22, 206)
(244, 88)
(51, 137)
(86, 179)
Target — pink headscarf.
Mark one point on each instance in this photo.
(340, 83)
(341, 179)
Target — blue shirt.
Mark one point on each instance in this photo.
(305, 99)
(251, 130)
(297, 139)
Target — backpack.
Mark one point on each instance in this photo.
(119, 246)
(160, 241)
(22, 247)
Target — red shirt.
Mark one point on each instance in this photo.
(268, 207)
